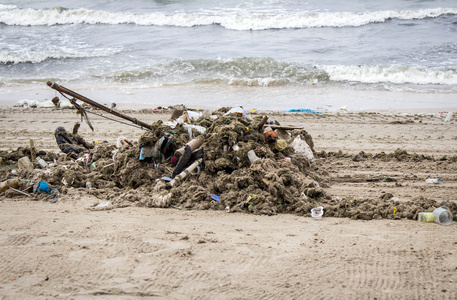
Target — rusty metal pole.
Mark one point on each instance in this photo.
(95, 104)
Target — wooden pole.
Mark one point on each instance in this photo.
(260, 126)
(32, 150)
(95, 104)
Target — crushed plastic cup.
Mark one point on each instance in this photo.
(317, 212)
(24, 163)
(252, 156)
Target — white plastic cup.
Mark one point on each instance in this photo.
(317, 212)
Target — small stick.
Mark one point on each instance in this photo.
(20, 192)
(260, 126)
(32, 149)
(188, 119)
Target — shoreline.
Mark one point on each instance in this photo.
(329, 99)
(123, 106)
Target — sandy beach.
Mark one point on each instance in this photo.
(63, 249)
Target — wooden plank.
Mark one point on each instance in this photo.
(282, 127)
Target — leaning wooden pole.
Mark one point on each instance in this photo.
(95, 104)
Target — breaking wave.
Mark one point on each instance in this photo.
(235, 20)
(237, 72)
(248, 71)
(269, 72)
(392, 74)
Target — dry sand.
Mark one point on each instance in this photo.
(62, 250)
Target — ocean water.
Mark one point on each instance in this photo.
(262, 54)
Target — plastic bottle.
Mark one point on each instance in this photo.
(41, 162)
(425, 217)
(442, 215)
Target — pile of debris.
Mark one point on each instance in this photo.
(222, 160)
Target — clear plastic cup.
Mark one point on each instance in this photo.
(442, 215)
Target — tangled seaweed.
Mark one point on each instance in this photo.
(226, 179)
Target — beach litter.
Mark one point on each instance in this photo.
(317, 212)
(448, 117)
(433, 180)
(236, 162)
(441, 215)
(303, 110)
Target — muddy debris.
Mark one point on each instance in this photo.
(200, 161)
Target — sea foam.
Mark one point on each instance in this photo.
(391, 74)
(240, 20)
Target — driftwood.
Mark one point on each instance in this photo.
(64, 90)
(193, 144)
(283, 127)
(262, 123)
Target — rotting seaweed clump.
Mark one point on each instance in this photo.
(281, 178)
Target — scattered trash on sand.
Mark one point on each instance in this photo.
(433, 180)
(303, 110)
(441, 215)
(448, 117)
(222, 160)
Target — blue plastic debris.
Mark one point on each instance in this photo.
(165, 178)
(216, 198)
(42, 186)
(58, 193)
(304, 110)
(148, 152)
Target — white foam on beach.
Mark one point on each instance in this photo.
(24, 55)
(392, 74)
(230, 19)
